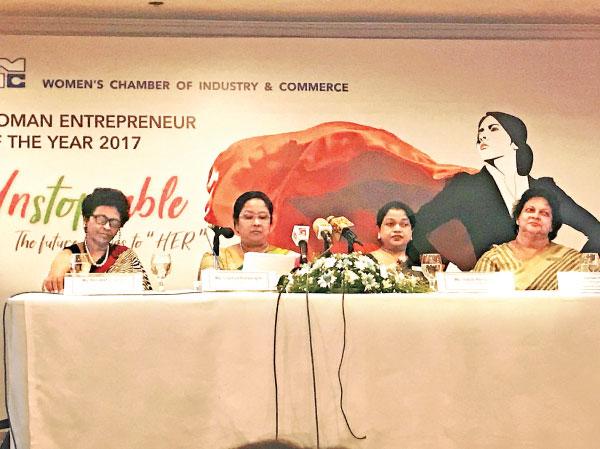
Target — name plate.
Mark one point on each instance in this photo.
(103, 283)
(468, 282)
(578, 282)
(237, 280)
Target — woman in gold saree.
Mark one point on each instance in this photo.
(532, 256)
(252, 222)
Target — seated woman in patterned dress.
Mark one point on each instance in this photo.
(532, 256)
(104, 212)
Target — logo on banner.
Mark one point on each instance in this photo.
(12, 73)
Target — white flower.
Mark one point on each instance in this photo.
(360, 264)
(304, 269)
(329, 262)
(367, 260)
(368, 281)
(344, 263)
(383, 271)
(326, 280)
(355, 270)
(350, 276)
(318, 263)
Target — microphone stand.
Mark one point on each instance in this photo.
(350, 246)
(216, 250)
(303, 251)
(326, 244)
(350, 238)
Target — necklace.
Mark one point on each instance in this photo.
(90, 256)
(262, 250)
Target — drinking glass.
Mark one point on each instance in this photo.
(160, 264)
(80, 263)
(430, 265)
(590, 262)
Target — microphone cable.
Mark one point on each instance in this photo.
(313, 369)
(364, 437)
(275, 365)
(312, 364)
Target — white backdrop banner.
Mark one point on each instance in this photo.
(324, 126)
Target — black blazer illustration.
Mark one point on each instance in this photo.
(476, 202)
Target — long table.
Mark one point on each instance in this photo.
(193, 370)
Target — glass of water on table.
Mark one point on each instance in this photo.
(590, 263)
(430, 264)
(160, 264)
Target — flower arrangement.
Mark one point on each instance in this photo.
(350, 273)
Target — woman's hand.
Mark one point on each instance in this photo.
(54, 282)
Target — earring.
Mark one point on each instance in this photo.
(378, 236)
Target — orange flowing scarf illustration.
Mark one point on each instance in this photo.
(335, 168)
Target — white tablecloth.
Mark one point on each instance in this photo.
(196, 371)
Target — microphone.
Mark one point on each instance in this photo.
(342, 225)
(323, 231)
(300, 238)
(222, 230)
(219, 231)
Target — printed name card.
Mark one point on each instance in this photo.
(236, 280)
(468, 282)
(103, 283)
(578, 282)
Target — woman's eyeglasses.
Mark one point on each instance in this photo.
(103, 219)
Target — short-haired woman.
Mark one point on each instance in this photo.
(105, 211)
